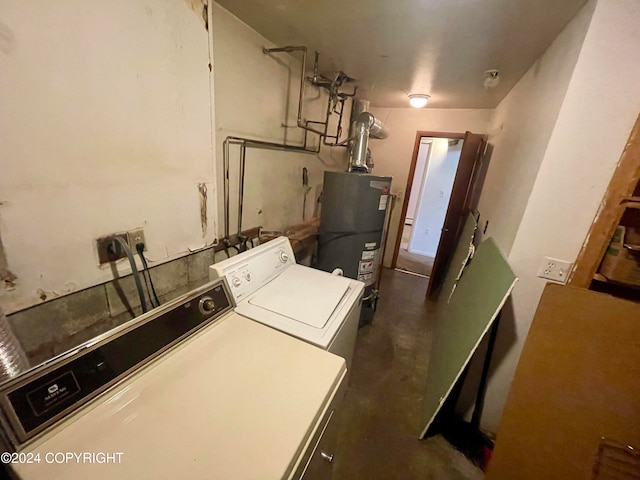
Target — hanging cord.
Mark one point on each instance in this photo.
(140, 250)
(145, 275)
(134, 271)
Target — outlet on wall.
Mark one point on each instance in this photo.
(110, 250)
(554, 269)
(134, 237)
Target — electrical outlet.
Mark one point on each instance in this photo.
(136, 236)
(554, 269)
(109, 249)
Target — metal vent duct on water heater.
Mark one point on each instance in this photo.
(363, 126)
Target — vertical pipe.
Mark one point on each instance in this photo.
(385, 235)
(225, 177)
(328, 113)
(358, 157)
(358, 106)
(243, 152)
(244, 144)
(339, 130)
(306, 189)
(315, 67)
(302, 82)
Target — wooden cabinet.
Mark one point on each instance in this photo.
(620, 207)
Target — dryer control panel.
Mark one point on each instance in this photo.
(41, 397)
(250, 270)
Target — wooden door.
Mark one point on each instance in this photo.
(459, 204)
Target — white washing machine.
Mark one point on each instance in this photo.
(312, 305)
(190, 390)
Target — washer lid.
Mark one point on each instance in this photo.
(302, 294)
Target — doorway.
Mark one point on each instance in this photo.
(429, 192)
(463, 197)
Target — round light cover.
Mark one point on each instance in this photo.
(418, 100)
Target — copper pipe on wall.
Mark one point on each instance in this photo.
(301, 123)
(244, 144)
(303, 78)
(324, 133)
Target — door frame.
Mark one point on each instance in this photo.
(470, 163)
(417, 196)
(412, 172)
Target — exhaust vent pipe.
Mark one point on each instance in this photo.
(365, 126)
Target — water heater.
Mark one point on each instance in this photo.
(354, 208)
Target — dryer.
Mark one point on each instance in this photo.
(315, 306)
(189, 390)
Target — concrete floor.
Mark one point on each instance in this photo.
(380, 419)
(412, 262)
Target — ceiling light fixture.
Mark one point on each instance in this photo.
(418, 100)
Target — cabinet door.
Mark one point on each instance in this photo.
(320, 466)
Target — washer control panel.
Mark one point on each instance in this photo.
(250, 270)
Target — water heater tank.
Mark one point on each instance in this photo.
(354, 207)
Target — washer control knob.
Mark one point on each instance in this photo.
(235, 281)
(283, 257)
(206, 305)
(247, 276)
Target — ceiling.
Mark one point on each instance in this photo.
(396, 47)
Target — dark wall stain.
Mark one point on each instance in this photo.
(202, 192)
(200, 7)
(7, 39)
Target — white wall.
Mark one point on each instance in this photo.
(393, 155)
(602, 101)
(434, 197)
(256, 94)
(105, 126)
(520, 130)
(418, 177)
